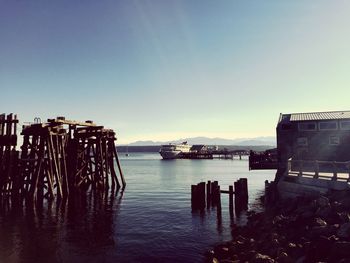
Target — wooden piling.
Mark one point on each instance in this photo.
(201, 195)
(241, 194)
(198, 196)
(213, 192)
(231, 200)
(218, 197)
(193, 196)
(208, 194)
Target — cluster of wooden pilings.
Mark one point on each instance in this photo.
(58, 158)
(8, 153)
(209, 195)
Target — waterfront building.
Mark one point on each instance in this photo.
(309, 144)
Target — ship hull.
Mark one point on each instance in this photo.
(168, 155)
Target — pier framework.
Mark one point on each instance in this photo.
(57, 158)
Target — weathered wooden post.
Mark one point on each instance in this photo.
(193, 196)
(218, 198)
(244, 187)
(214, 186)
(231, 200)
(201, 195)
(241, 194)
(208, 194)
(238, 207)
(198, 196)
(8, 153)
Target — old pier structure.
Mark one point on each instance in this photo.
(57, 159)
(209, 195)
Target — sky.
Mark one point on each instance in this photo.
(168, 69)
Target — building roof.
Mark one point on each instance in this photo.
(314, 116)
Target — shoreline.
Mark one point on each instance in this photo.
(295, 230)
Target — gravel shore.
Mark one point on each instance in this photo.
(296, 230)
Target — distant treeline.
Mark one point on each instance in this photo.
(155, 148)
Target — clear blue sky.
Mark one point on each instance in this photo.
(165, 69)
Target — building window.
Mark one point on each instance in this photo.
(345, 125)
(334, 140)
(307, 126)
(328, 125)
(302, 141)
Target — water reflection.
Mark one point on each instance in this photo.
(151, 222)
(77, 228)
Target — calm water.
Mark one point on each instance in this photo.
(151, 221)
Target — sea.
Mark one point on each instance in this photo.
(150, 221)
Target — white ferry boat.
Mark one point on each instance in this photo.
(173, 151)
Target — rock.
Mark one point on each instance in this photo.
(259, 258)
(302, 259)
(221, 251)
(319, 222)
(210, 253)
(273, 249)
(323, 212)
(292, 245)
(307, 215)
(333, 238)
(320, 247)
(241, 238)
(338, 195)
(304, 208)
(344, 217)
(251, 254)
(305, 230)
(229, 261)
(294, 250)
(345, 202)
(322, 201)
(278, 219)
(336, 206)
(284, 258)
(344, 231)
(307, 245)
(275, 242)
(328, 230)
(340, 249)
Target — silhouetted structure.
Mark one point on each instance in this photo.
(203, 195)
(57, 158)
(263, 160)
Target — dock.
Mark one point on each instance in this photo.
(215, 154)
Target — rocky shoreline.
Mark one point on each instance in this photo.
(297, 230)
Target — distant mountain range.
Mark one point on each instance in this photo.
(258, 141)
